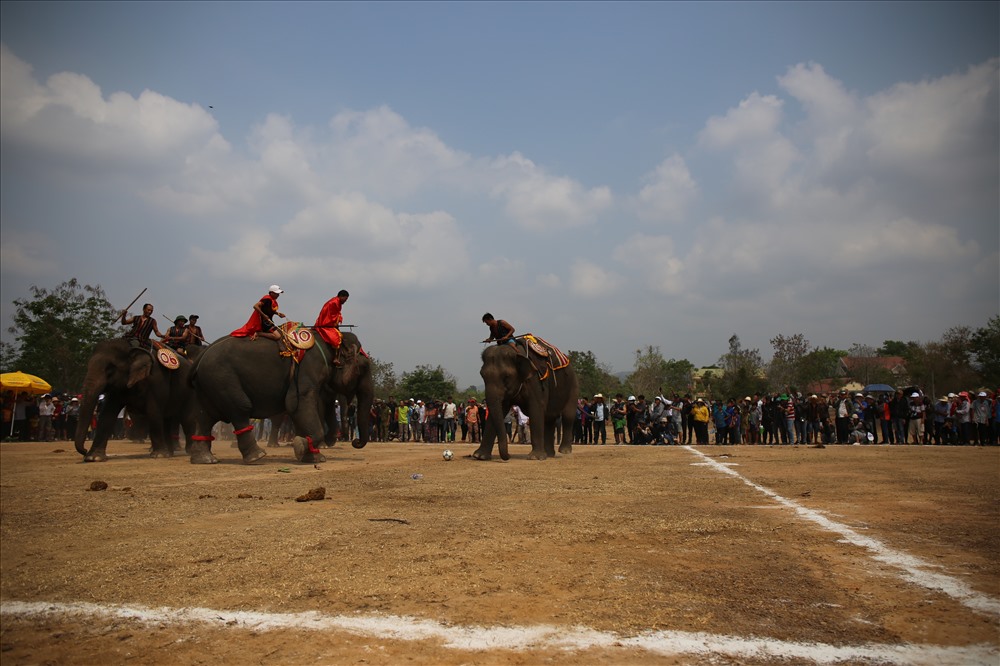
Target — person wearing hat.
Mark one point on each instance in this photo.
(699, 421)
(472, 420)
(981, 412)
(261, 320)
(72, 412)
(600, 411)
(914, 426)
(963, 418)
(45, 412)
(618, 413)
(941, 412)
(176, 337)
(195, 338)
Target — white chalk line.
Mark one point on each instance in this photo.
(913, 569)
(519, 638)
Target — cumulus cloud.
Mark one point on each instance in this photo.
(667, 193)
(653, 257)
(68, 116)
(590, 280)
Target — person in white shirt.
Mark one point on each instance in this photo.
(450, 411)
(523, 433)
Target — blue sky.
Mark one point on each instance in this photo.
(605, 175)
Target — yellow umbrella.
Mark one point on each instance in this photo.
(20, 381)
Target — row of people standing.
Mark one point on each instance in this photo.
(44, 419)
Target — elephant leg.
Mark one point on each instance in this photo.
(159, 436)
(538, 446)
(105, 426)
(550, 437)
(247, 443)
(201, 444)
(566, 428)
(309, 430)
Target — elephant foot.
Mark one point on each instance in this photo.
(358, 444)
(95, 457)
(566, 448)
(253, 455)
(479, 454)
(303, 454)
(537, 455)
(203, 459)
(161, 454)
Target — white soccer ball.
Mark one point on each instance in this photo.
(447, 455)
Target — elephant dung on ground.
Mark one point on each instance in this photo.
(131, 378)
(239, 379)
(547, 396)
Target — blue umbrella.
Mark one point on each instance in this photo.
(879, 388)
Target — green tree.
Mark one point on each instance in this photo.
(593, 377)
(384, 378)
(653, 375)
(946, 364)
(743, 371)
(986, 351)
(55, 332)
(820, 364)
(427, 382)
(786, 369)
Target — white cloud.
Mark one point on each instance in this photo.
(756, 117)
(536, 201)
(592, 281)
(68, 116)
(653, 257)
(668, 192)
(932, 127)
(27, 255)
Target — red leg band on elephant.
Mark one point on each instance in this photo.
(202, 438)
(309, 442)
(242, 430)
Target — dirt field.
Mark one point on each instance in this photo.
(639, 555)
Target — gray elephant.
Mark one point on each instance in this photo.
(130, 378)
(239, 379)
(546, 391)
(352, 379)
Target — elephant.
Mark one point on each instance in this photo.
(352, 379)
(129, 377)
(548, 396)
(239, 379)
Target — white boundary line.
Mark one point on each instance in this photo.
(520, 638)
(539, 637)
(913, 569)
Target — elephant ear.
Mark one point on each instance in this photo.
(139, 369)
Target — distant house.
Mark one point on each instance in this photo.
(873, 369)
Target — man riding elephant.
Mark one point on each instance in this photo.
(328, 323)
(261, 321)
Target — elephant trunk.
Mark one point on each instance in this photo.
(496, 413)
(364, 415)
(93, 386)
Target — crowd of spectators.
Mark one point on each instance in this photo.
(899, 417)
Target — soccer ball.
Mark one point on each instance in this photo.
(447, 455)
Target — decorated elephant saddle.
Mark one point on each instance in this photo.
(295, 339)
(544, 356)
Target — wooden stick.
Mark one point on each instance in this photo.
(131, 304)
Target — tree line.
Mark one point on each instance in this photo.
(55, 332)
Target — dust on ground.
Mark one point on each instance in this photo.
(616, 539)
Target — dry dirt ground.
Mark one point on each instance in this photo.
(611, 555)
